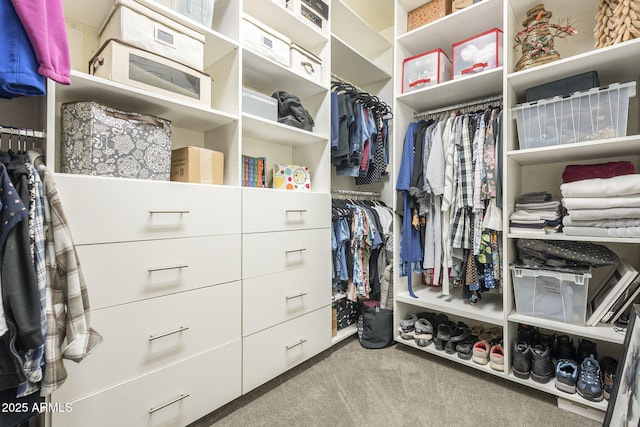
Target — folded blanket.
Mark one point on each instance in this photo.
(523, 215)
(573, 173)
(535, 197)
(610, 213)
(617, 186)
(602, 232)
(602, 223)
(555, 204)
(631, 201)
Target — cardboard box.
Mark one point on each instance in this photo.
(429, 12)
(334, 322)
(199, 165)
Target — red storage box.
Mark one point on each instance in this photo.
(478, 53)
(425, 69)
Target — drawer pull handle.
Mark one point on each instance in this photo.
(289, 347)
(176, 211)
(301, 294)
(177, 331)
(290, 251)
(295, 211)
(172, 267)
(164, 405)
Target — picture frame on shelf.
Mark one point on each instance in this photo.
(624, 403)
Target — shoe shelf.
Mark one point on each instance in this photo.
(602, 332)
(551, 389)
(431, 348)
(344, 333)
(488, 309)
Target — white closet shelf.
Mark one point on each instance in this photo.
(551, 389)
(561, 236)
(588, 150)
(268, 76)
(469, 22)
(278, 133)
(284, 21)
(617, 63)
(453, 357)
(488, 310)
(602, 332)
(181, 113)
(452, 92)
(355, 67)
(345, 23)
(344, 333)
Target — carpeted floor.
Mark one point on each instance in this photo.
(350, 386)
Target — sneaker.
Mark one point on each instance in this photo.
(521, 360)
(480, 353)
(541, 366)
(609, 367)
(547, 340)
(496, 357)
(423, 332)
(565, 348)
(527, 333)
(589, 383)
(566, 375)
(586, 348)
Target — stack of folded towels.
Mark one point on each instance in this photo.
(536, 213)
(602, 200)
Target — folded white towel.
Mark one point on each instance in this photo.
(602, 232)
(610, 213)
(631, 201)
(597, 187)
(567, 221)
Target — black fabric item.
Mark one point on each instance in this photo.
(564, 253)
(291, 111)
(376, 329)
(25, 408)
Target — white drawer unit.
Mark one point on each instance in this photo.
(271, 352)
(282, 210)
(152, 268)
(149, 335)
(174, 396)
(267, 253)
(102, 209)
(287, 295)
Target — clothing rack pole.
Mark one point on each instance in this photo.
(27, 133)
(340, 79)
(356, 193)
(458, 106)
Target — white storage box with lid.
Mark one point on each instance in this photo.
(426, 69)
(316, 12)
(597, 113)
(478, 53)
(306, 63)
(145, 70)
(551, 294)
(264, 40)
(259, 104)
(200, 11)
(139, 26)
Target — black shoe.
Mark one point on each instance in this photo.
(465, 347)
(547, 340)
(438, 343)
(444, 332)
(586, 348)
(541, 366)
(450, 347)
(521, 360)
(565, 348)
(609, 366)
(527, 333)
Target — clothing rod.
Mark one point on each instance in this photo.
(27, 133)
(340, 79)
(356, 193)
(458, 106)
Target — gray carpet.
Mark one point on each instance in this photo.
(349, 386)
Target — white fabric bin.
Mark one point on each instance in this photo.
(306, 63)
(200, 11)
(265, 41)
(315, 12)
(146, 29)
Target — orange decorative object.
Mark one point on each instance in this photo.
(428, 12)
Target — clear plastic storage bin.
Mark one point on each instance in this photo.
(598, 113)
(478, 53)
(551, 294)
(200, 11)
(425, 69)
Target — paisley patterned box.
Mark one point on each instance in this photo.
(103, 141)
(291, 177)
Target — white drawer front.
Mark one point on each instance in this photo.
(273, 351)
(272, 210)
(148, 335)
(266, 253)
(103, 209)
(205, 382)
(275, 298)
(123, 272)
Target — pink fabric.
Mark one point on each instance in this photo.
(43, 20)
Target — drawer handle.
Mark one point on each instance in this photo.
(290, 251)
(176, 211)
(301, 294)
(172, 267)
(289, 347)
(295, 211)
(180, 329)
(164, 405)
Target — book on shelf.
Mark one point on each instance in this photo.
(601, 302)
(253, 171)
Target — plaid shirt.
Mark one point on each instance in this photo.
(464, 199)
(69, 332)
